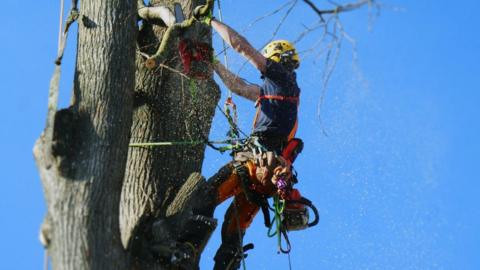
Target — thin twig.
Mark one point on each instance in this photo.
(314, 7)
(339, 8)
(258, 19)
(330, 64)
(275, 32)
(175, 71)
(282, 21)
(307, 31)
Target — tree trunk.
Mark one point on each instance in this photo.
(82, 166)
(168, 107)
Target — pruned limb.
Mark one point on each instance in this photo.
(185, 194)
(203, 10)
(44, 235)
(161, 54)
(155, 13)
(52, 107)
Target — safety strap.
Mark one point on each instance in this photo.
(293, 148)
(291, 99)
(252, 195)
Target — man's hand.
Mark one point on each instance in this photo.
(203, 15)
(214, 59)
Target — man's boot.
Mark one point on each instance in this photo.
(180, 244)
(197, 231)
(229, 257)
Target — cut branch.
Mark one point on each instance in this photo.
(172, 31)
(155, 13)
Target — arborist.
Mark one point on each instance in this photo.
(263, 168)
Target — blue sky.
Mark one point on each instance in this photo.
(395, 178)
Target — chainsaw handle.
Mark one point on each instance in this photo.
(309, 204)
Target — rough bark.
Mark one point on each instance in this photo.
(82, 167)
(168, 107)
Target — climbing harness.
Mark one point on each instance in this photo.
(250, 193)
(293, 148)
(291, 99)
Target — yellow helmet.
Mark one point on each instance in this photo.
(281, 49)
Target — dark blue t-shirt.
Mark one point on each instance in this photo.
(277, 118)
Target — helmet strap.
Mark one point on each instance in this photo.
(288, 62)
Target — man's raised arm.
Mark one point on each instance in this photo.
(240, 44)
(236, 84)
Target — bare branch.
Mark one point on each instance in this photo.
(339, 8)
(275, 31)
(267, 15)
(258, 19)
(315, 8)
(307, 31)
(284, 18)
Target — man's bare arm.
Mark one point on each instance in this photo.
(237, 84)
(240, 44)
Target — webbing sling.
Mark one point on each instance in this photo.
(291, 99)
(252, 196)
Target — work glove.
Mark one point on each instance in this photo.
(214, 59)
(203, 18)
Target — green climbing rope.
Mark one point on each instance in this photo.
(278, 207)
(277, 224)
(228, 145)
(152, 144)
